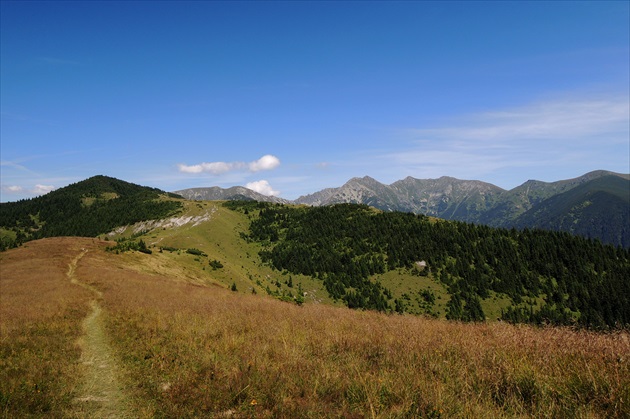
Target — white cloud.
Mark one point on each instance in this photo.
(556, 120)
(546, 139)
(266, 162)
(216, 168)
(13, 189)
(42, 189)
(262, 187)
(19, 190)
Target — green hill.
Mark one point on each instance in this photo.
(363, 258)
(532, 275)
(88, 208)
(205, 244)
(598, 209)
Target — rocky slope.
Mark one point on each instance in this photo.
(216, 193)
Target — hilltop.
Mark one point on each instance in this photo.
(87, 208)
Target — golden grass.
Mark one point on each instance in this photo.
(198, 351)
(188, 350)
(40, 320)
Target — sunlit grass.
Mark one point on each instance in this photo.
(406, 285)
(191, 350)
(40, 321)
(198, 351)
(220, 239)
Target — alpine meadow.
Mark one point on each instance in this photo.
(315, 209)
(256, 309)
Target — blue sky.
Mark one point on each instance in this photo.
(293, 97)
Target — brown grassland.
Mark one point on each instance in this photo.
(190, 350)
(40, 321)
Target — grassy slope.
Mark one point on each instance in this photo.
(220, 239)
(189, 350)
(40, 321)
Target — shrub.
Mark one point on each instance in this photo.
(195, 252)
(215, 264)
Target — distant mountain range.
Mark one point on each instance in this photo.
(595, 205)
(216, 193)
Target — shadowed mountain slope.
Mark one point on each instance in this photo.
(484, 203)
(595, 209)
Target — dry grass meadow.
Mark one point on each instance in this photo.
(185, 349)
(40, 321)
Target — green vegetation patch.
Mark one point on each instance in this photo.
(547, 277)
(88, 208)
(128, 245)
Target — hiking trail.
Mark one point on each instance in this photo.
(100, 395)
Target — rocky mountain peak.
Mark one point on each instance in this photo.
(448, 197)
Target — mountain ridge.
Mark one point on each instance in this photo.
(595, 205)
(216, 193)
(475, 201)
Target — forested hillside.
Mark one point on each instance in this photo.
(550, 277)
(594, 205)
(88, 208)
(598, 209)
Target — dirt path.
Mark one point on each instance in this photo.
(101, 395)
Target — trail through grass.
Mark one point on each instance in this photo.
(94, 334)
(100, 395)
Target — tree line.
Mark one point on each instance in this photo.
(580, 281)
